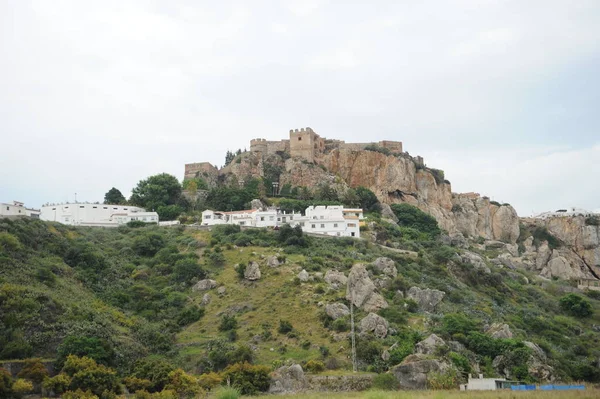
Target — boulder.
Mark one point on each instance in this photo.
(427, 299)
(288, 379)
(413, 372)
(375, 324)
(474, 260)
(559, 266)
(206, 299)
(543, 256)
(257, 204)
(273, 261)
(335, 279)
(387, 213)
(252, 272)
(499, 330)
(493, 244)
(221, 290)
(512, 249)
(303, 276)
(336, 310)
(359, 287)
(375, 302)
(507, 261)
(429, 345)
(204, 285)
(386, 266)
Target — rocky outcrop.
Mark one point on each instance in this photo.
(273, 261)
(288, 379)
(387, 213)
(335, 279)
(375, 324)
(252, 272)
(336, 310)
(413, 372)
(474, 260)
(427, 299)
(360, 290)
(386, 266)
(206, 299)
(499, 330)
(429, 345)
(204, 285)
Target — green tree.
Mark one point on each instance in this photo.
(169, 212)
(229, 156)
(6, 383)
(248, 378)
(91, 347)
(411, 216)
(155, 370)
(156, 191)
(114, 196)
(86, 374)
(33, 370)
(576, 306)
(367, 200)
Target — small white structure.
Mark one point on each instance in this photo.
(102, 215)
(570, 212)
(327, 220)
(486, 384)
(18, 209)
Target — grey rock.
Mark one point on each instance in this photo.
(303, 276)
(204, 285)
(513, 249)
(499, 330)
(429, 345)
(288, 379)
(387, 213)
(543, 256)
(335, 279)
(336, 310)
(413, 372)
(386, 266)
(359, 287)
(273, 261)
(375, 302)
(252, 272)
(257, 204)
(221, 290)
(427, 299)
(474, 260)
(492, 244)
(206, 299)
(375, 324)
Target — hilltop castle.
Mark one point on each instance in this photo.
(303, 143)
(306, 144)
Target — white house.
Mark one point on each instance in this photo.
(103, 215)
(486, 384)
(567, 213)
(18, 209)
(327, 220)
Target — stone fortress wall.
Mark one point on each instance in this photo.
(305, 143)
(196, 169)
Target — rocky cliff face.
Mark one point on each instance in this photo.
(394, 179)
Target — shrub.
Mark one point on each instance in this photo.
(210, 380)
(6, 383)
(541, 234)
(88, 347)
(315, 366)
(184, 384)
(592, 221)
(411, 216)
(96, 379)
(58, 384)
(189, 315)
(458, 323)
(155, 370)
(79, 394)
(228, 323)
(22, 387)
(447, 380)
(575, 306)
(134, 384)
(385, 382)
(460, 361)
(285, 327)
(248, 378)
(401, 351)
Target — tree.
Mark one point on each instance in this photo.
(248, 378)
(91, 347)
(155, 370)
(114, 196)
(229, 156)
(86, 374)
(367, 200)
(156, 191)
(6, 383)
(411, 216)
(33, 370)
(576, 306)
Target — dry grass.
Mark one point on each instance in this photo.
(590, 393)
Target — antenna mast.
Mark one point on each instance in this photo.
(352, 329)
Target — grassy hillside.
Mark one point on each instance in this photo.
(123, 294)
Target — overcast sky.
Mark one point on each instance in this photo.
(502, 95)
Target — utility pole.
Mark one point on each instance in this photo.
(352, 329)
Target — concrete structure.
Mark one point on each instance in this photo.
(18, 209)
(102, 215)
(327, 220)
(588, 284)
(486, 384)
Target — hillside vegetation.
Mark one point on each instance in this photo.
(125, 297)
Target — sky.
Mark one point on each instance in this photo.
(504, 96)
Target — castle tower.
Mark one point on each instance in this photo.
(306, 144)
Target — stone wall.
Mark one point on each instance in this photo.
(306, 144)
(199, 169)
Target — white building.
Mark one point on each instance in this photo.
(103, 215)
(327, 220)
(18, 209)
(570, 212)
(486, 384)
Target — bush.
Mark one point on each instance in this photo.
(148, 244)
(184, 384)
(134, 384)
(385, 382)
(210, 380)
(340, 325)
(285, 327)
(228, 323)
(155, 370)
(592, 221)
(248, 378)
(57, 385)
(89, 347)
(447, 380)
(458, 323)
(460, 361)
(315, 366)
(21, 387)
(79, 394)
(575, 306)
(6, 383)
(411, 216)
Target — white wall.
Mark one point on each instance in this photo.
(95, 214)
(17, 210)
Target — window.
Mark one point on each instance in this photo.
(52, 209)
(335, 225)
(95, 207)
(19, 211)
(302, 224)
(242, 223)
(105, 207)
(66, 207)
(299, 138)
(81, 206)
(124, 209)
(314, 217)
(338, 233)
(322, 217)
(322, 225)
(271, 217)
(353, 234)
(313, 225)
(113, 208)
(8, 208)
(262, 218)
(207, 216)
(351, 224)
(279, 219)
